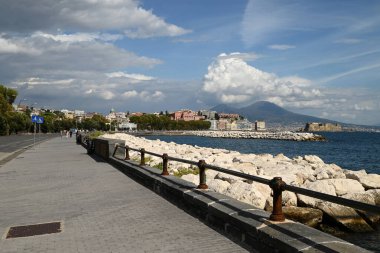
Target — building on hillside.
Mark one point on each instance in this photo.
(260, 125)
(244, 124)
(229, 116)
(214, 124)
(89, 115)
(138, 114)
(223, 124)
(68, 114)
(322, 127)
(186, 115)
(210, 115)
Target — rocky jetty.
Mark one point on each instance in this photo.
(307, 171)
(283, 135)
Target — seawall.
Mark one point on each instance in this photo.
(241, 221)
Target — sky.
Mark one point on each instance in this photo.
(320, 58)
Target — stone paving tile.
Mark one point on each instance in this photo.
(102, 210)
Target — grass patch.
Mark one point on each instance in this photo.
(94, 134)
(185, 171)
(159, 166)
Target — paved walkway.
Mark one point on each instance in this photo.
(101, 209)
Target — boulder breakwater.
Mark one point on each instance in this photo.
(281, 135)
(307, 171)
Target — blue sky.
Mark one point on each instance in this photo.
(320, 58)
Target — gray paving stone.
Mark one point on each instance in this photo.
(102, 210)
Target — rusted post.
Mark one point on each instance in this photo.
(165, 165)
(142, 162)
(115, 149)
(202, 175)
(277, 186)
(127, 153)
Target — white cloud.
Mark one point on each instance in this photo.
(350, 72)
(107, 95)
(232, 80)
(281, 47)
(65, 56)
(148, 96)
(136, 77)
(125, 16)
(242, 56)
(12, 46)
(78, 37)
(130, 94)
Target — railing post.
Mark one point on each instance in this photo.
(202, 175)
(142, 162)
(115, 149)
(165, 165)
(277, 186)
(127, 153)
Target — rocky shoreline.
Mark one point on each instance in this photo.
(275, 135)
(307, 171)
(283, 135)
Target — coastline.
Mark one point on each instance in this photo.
(236, 134)
(307, 171)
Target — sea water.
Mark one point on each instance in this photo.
(349, 150)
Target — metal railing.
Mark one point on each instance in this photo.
(276, 184)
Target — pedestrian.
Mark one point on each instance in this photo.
(71, 133)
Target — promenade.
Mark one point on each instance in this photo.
(100, 209)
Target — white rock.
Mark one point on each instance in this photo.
(247, 193)
(320, 186)
(191, 178)
(345, 186)
(218, 185)
(289, 198)
(227, 177)
(355, 174)
(313, 159)
(370, 181)
(376, 195)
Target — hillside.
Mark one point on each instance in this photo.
(271, 113)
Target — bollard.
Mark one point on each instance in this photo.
(142, 162)
(115, 149)
(277, 186)
(165, 165)
(127, 153)
(202, 175)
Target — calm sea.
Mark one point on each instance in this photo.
(349, 150)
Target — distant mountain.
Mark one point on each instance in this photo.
(271, 114)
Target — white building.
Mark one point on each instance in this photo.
(127, 126)
(260, 125)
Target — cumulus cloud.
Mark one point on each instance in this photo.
(88, 15)
(232, 80)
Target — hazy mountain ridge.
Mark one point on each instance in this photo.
(271, 113)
